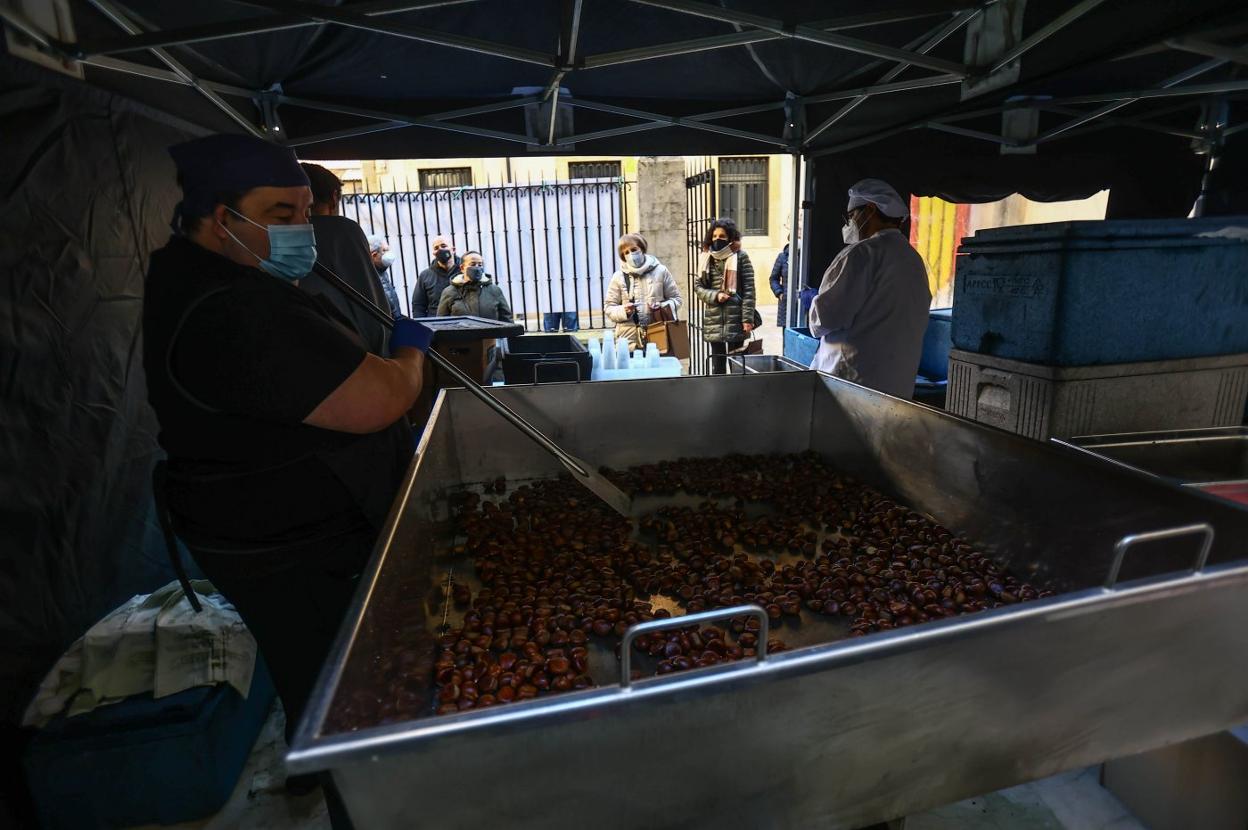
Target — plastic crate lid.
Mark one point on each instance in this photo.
(1210, 230)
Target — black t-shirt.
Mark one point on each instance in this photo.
(236, 359)
(342, 246)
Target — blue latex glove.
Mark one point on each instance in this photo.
(408, 333)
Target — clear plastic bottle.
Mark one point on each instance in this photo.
(595, 357)
(621, 354)
(608, 351)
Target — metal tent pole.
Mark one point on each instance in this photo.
(792, 292)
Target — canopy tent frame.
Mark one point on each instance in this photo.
(567, 59)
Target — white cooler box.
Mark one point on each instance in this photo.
(1043, 402)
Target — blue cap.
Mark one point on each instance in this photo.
(230, 162)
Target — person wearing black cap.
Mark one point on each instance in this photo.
(342, 247)
(286, 439)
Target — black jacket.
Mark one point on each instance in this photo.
(429, 287)
(342, 247)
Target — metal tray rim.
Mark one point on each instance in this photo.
(311, 752)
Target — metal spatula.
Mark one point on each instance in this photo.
(583, 473)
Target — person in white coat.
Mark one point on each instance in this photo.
(640, 286)
(872, 306)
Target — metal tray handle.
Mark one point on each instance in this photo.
(626, 646)
(1123, 544)
(538, 364)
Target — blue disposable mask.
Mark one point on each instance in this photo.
(292, 248)
(636, 258)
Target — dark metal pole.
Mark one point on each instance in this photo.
(563, 288)
(585, 233)
(550, 278)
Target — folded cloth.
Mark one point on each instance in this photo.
(152, 643)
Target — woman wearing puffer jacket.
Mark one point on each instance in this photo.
(726, 286)
(472, 292)
(640, 286)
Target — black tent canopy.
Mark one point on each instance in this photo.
(453, 77)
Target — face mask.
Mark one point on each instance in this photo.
(475, 272)
(719, 244)
(851, 232)
(636, 259)
(292, 249)
(444, 255)
(387, 259)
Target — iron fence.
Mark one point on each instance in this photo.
(700, 196)
(551, 247)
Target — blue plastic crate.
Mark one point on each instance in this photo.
(937, 339)
(799, 346)
(1088, 293)
(144, 761)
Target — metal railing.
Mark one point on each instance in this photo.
(551, 247)
(700, 201)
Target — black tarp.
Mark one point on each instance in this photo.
(86, 191)
(970, 171)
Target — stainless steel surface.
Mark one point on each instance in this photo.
(1191, 456)
(1204, 531)
(582, 473)
(626, 645)
(752, 364)
(842, 733)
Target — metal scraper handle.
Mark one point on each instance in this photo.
(473, 386)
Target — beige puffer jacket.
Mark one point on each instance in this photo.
(653, 285)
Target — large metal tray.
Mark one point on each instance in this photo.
(1213, 460)
(753, 364)
(839, 734)
(1195, 457)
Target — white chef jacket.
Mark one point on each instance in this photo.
(871, 312)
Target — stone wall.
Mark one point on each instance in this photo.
(661, 213)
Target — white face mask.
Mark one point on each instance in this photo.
(636, 258)
(850, 232)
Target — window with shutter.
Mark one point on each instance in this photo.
(743, 193)
(440, 178)
(594, 170)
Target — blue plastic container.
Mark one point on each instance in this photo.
(799, 346)
(144, 761)
(1087, 293)
(937, 340)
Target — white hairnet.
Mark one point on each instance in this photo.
(881, 194)
(375, 241)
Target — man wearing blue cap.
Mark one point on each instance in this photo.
(872, 307)
(286, 439)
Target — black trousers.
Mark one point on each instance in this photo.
(293, 601)
(719, 355)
